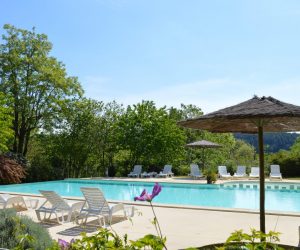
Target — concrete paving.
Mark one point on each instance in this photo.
(184, 227)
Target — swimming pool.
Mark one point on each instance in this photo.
(242, 195)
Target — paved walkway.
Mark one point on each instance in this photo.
(186, 227)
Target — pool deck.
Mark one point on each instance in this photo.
(185, 227)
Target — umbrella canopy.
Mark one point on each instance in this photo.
(253, 116)
(203, 144)
(275, 115)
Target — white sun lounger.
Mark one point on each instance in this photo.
(240, 172)
(195, 171)
(167, 172)
(254, 172)
(97, 206)
(275, 172)
(7, 200)
(57, 205)
(222, 170)
(137, 170)
(145, 175)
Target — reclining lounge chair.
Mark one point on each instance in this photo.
(195, 171)
(222, 171)
(137, 170)
(275, 172)
(7, 200)
(56, 204)
(96, 206)
(240, 172)
(167, 172)
(254, 172)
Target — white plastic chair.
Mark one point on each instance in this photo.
(7, 200)
(240, 172)
(195, 171)
(97, 206)
(167, 172)
(57, 205)
(222, 170)
(275, 172)
(145, 175)
(137, 169)
(254, 172)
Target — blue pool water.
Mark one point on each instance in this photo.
(179, 194)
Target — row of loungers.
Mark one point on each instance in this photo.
(95, 205)
(240, 173)
(137, 172)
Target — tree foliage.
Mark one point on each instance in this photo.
(150, 136)
(6, 133)
(36, 82)
(289, 160)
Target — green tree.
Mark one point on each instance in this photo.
(36, 82)
(6, 133)
(150, 136)
(106, 138)
(243, 154)
(209, 157)
(187, 112)
(77, 142)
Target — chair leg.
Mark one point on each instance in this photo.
(69, 216)
(38, 215)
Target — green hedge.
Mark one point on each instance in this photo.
(290, 167)
(14, 229)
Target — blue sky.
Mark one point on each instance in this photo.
(211, 53)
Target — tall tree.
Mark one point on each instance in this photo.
(107, 134)
(37, 82)
(6, 133)
(77, 142)
(149, 135)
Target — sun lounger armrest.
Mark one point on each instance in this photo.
(77, 205)
(117, 207)
(16, 200)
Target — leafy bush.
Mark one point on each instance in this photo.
(289, 163)
(241, 240)
(105, 239)
(211, 176)
(21, 231)
(20, 159)
(10, 171)
(181, 170)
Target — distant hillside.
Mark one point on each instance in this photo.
(273, 141)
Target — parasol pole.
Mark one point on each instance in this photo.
(261, 179)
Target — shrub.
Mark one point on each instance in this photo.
(181, 170)
(21, 230)
(10, 171)
(289, 163)
(20, 159)
(240, 240)
(105, 239)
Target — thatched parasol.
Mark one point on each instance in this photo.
(203, 144)
(253, 116)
